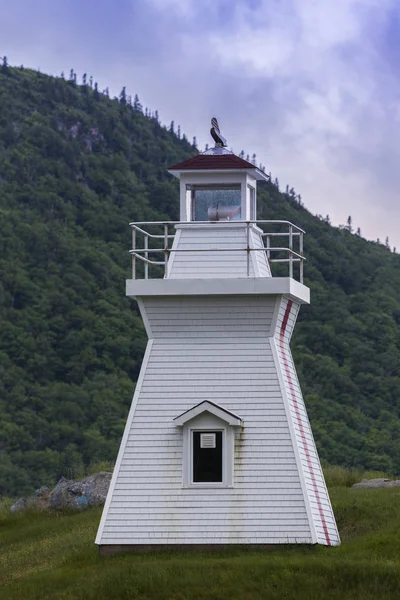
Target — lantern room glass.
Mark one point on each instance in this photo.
(215, 202)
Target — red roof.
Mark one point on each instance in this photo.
(213, 161)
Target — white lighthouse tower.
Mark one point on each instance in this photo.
(218, 448)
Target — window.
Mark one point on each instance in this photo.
(252, 202)
(215, 202)
(208, 445)
(207, 457)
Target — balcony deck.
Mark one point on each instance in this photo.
(282, 245)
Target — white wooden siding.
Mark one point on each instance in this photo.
(316, 491)
(260, 256)
(224, 356)
(207, 253)
(197, 317)
(219, 349)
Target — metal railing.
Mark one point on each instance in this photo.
(159, 245)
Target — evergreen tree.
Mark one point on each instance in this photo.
(84, 77)
(5, 65)
(136, 104)
(172, 127)
(349, 226)
(91, 81)
(178, 133)
(122, 96)
(96, 91)
(194, 143)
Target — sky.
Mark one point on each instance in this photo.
(311, 86)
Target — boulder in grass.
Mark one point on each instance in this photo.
(39, 499)
(89, 491)
(19, 505)
(68, 494)
(381, 482)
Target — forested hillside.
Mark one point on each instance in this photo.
(75, 168)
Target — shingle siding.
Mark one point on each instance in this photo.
(266, 504)
(208, 253)
(317, 493)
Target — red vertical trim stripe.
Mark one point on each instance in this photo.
(299, 419)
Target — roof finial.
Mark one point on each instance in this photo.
(220, 141)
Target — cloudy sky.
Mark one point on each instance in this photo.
(311, 86)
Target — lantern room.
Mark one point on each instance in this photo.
(217, 185)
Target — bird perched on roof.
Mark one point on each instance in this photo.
(216, 134)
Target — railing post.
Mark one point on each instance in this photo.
(146, 255)
(268, 246)
(301, 259)
(248, 248)
(290, 251)
(165, 250)
(133, 253)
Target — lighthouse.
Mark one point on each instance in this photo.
(217, 449)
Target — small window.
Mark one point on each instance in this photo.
(252, 202)
(208, 445)
(207, 457)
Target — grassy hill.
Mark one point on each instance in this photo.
(75, 168)
(53, 556)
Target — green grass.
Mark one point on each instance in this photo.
(46, 555)
(336, 476)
